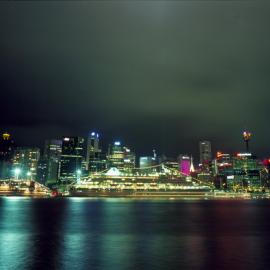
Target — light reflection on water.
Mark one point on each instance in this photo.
(75, 233)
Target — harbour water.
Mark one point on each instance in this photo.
(115, 233)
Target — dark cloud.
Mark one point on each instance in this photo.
(158, 74)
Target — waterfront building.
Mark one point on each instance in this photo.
(221, 163)
(146, 162)
(42, 171)
(266, 172)
(172, 164)
(6, 147)
(246, 172)
(52, 156)
(121, 157)
(83, 167)
(25, 162)
(71, 158)
(242, 171)
(129, 159)
(93, 152)
(6, 152)
(146, 165)
(116, 155)
(205, 177)
(205, 152)
(98, 165)
(221, 168)
(205, 156)
(184, 164)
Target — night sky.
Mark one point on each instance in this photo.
(154, 74)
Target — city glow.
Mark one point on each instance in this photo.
(17, 171)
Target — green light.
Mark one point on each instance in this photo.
(17, 172)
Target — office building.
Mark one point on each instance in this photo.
(205, 152)
(92, 150)
(129, 161)
(42, 171)
(115, 155)
(6, 152)
(246, 172)
(221, 163)
(184, 164)
(120, 157)
(94, 161)
(148, 164)
(25, 162)
(71, 158)
(52, 157)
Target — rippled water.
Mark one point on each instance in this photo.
(73, 233)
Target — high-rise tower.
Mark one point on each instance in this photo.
(26, 159)
(246, 137)
(71, 158)
(6, 152)
(205, 152)
(92, 151)
(52, 156)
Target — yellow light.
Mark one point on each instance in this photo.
(6, 136)
(246, 135)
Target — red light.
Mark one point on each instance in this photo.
(266, 162)
(219, 154)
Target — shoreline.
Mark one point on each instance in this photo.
(147, 195)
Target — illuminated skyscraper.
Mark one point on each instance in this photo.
(71, 158)
(42, 171)
(246, 172)
(6, 151)
(92, 151)
(205, 152)
(129, 159)
(184, 164)
(146, 162)
(120, 156)
(116, 155)
(6, 147)
(26, 159)
(52, 157)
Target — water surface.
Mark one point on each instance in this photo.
(75, 233)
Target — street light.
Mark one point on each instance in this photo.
(17, 172)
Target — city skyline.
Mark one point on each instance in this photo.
(104, 146)
(64, 163)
